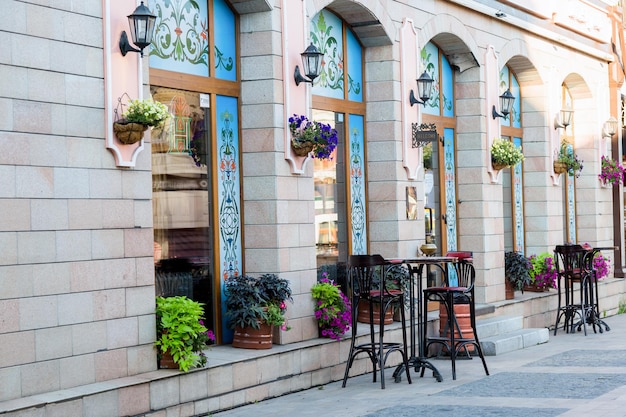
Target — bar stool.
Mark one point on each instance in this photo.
(367, 280)
(449, 296)
(570, 264)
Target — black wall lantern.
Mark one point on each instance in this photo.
(424, 90)
(506, 104)
(141, 24)
(311, 65)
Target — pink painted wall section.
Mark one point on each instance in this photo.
(297, 98)
(492, 75)
(409, 72)
(122, 74)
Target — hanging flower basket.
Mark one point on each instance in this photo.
(505, 154)
(560, 167)
(612, 172)
(129, 133)
(311, 136)
(130, 124)
(568, 162)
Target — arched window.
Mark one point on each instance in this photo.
(340, 184)
(440, 158)
(513, 179)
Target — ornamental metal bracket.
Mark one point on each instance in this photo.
(423, 134)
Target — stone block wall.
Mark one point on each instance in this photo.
(76, 263)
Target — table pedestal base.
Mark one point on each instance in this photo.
(418, 364)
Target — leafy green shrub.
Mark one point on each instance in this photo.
(181, 331)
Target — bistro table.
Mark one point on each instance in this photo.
(593, 317)
(417, 357)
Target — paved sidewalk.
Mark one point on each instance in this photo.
(571, 375)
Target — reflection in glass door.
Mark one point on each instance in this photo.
(183, 250)
(330, 206)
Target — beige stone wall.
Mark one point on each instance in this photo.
(76, 269)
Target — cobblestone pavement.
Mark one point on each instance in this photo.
(571, 375)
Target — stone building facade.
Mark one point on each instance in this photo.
(89, 226)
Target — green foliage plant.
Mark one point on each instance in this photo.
(251, 300)
(517, 269)
(181, 331)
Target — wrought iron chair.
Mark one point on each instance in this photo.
(570, 264)
(367, 280)
(450, 295)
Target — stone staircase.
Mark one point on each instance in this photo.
(502, 334)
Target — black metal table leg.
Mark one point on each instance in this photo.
(417, 359)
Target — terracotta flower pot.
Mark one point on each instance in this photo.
(509, 289)
(535, 288)
(462, 314)
(167, 361)
(364, 313)
(251, 338)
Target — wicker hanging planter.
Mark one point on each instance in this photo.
(560, 167)
(301, 148)
(129, 133)
(498, 167)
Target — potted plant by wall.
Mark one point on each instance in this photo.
(504, 154)
(181, 334)
(543, 273)
(314, 137)
(138, 116)
(567, 161)
(611, 172)
(516, 271)
(254, 305)
(333, 309)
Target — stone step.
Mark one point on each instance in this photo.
(503, 334)
(499, 325)
(514, 340)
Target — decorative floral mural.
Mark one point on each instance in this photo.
(181, 39)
